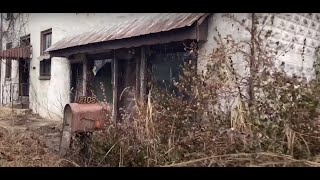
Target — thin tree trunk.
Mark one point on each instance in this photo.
(252, 62)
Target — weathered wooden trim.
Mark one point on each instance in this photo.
(114, 88)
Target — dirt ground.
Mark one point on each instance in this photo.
(21, 121)
(27, 140)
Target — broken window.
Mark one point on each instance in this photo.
(45, 65)
(102, 80)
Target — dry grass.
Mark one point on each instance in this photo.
(263, 159)
(25, 149)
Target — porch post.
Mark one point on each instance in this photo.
(142, 74)
(85, 67)
(137, 88)
(114, 88)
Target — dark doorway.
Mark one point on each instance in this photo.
(24, 69)
(76, 87)
(126, 87)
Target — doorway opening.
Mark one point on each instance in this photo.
(126, 87)
(24, 82)
(76, 86)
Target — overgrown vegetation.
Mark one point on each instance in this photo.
(257, 116)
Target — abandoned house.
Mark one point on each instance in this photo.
(49, 60)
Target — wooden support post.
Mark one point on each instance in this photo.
(11, 95)
(85, 67)
(114, 88)
(137, 90)
(142, 74)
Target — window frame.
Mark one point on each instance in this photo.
(46, 62)
(45, 75)
(42, 39)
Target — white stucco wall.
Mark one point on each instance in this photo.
(48, 97)
(54, 94)
(286, 26)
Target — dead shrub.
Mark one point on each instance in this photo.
(220, 113)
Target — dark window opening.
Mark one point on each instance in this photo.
(45, 69)
(45, 65)
(166, 63)
(8, 63)
(102, 80)
(9, 45)
(25, 41)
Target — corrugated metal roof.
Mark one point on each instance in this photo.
(141, 26)
(16, 53)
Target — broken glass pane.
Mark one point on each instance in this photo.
(98, 64)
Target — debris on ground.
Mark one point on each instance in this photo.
(29, 141)
(21, 149)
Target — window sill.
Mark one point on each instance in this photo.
(44, 77)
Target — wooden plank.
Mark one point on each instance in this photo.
(114, 88)
(142, 73)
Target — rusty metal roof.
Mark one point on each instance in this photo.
(16, 53)
(159, 22)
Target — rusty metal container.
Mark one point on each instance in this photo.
(85, 117)
(79, 118)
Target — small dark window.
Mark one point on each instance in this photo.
(9, 45)
(45, 65)
(25, 41)
(45, 69)
(8, 63)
